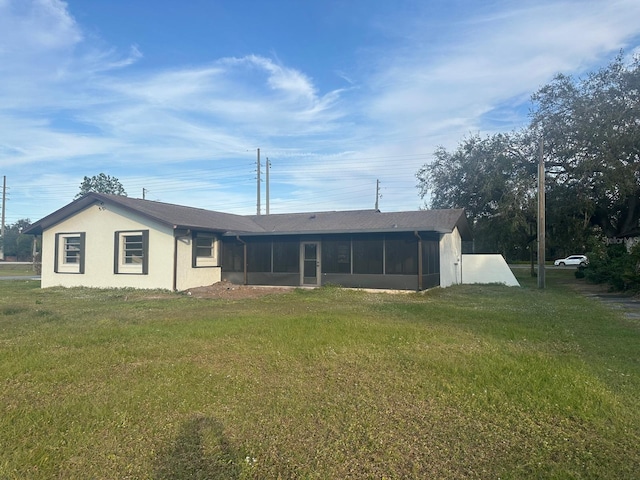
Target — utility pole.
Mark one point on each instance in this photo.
(144, 193)
(4, 203)
(541, 218)
(34, 255)
(267, 166)
(377, 193)
(258, 194)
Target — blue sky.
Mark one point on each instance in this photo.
(176, 96)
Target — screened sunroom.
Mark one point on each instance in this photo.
(403, 260)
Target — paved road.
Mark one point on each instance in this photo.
(546, 267)
(20, 277)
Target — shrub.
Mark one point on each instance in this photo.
(632, 271)
(615, 266)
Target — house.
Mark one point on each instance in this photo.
(114, 241)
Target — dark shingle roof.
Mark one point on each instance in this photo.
(176, 216)
(180, 216)
(355, 221)
(442, 221)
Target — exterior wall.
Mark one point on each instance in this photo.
(234, 277)
(430, 281)
(189, 276)
(392, 282)
(99, 223)
(450, 259)
(490, 268)
(279, 279)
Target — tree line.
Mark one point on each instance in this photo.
(590, 128)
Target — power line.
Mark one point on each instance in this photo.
(290, 170)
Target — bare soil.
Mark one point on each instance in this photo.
(230, 291)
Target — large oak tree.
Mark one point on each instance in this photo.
(591, 128)
(493, 178)
(591, 131)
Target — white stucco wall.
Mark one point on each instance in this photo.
(450, 259)
(189, 277)
(100, 225)
(487, 268)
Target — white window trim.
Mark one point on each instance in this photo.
(61, 264)
(120, 265)
(205, 261)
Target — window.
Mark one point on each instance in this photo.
(131, 252)
(71, 250)
(204, 250)
(204, 246)
(368, 255)
(69, 253)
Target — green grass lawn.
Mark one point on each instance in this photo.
(463, 382)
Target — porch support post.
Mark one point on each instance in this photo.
(244, 258)
(419, 260)
(175, 261)
(177, 236)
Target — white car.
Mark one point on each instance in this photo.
(580, 260)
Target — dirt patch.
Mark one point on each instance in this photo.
(232, 291)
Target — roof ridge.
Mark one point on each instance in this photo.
(371, 210)
(137, 199)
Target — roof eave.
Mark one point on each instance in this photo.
(337, 231)
(59, 215)
(80, 204)
(198, 228)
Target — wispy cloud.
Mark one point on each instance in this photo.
(72, 104)
(32, 28)
(498, 57)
